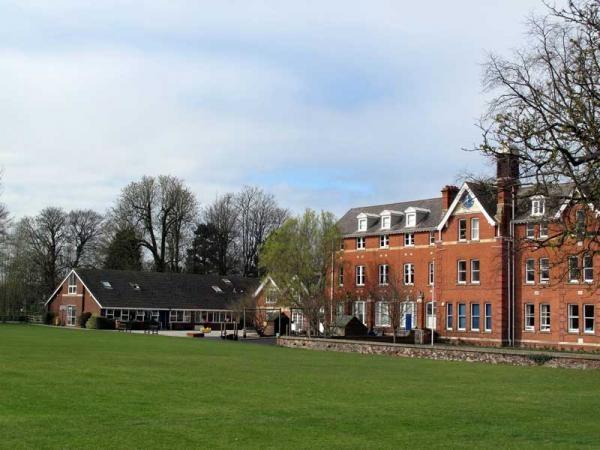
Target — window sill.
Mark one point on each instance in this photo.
(529, 331)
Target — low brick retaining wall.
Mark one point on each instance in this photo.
(448, 353)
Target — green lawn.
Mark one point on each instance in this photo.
(63, 388)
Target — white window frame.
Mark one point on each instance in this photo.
(431, 273)
(462, 227)
(362, 224)
(475, 262)
(571, 308)
(475, 316)
(382, 314)
(543, 230)
(460, 316)
(529, 316)
(530, 230)
(359, 310)
(384, 241)
(574, 272)
(587, 317)
(474, 229)
(432, 238)
(409, 274)
(360, 275)
(460, 271)
(530, 270)
(544, 268)
(384, 274)
(487, 317)
(72, 284)
(411, 220)
(449, 316)
(386, 222)
(361, 243)
(341, 276)
(588, 268)
(538, 206)
(545, 317)
(409, 239)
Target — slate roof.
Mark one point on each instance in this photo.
(348, 223)
(553, 202)
(165, 290)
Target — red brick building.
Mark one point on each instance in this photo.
(467, 264)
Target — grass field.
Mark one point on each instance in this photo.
(63, 388)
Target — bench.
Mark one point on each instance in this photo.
(121, 325)
(151, 328)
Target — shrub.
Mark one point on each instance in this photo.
(49, 317)
(100, 323)
(83, 318)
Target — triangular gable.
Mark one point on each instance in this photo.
(63, 282)
(465, 188)
(266, 281)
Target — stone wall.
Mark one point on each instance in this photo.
(448, 353)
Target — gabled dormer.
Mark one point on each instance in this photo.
(390, 218)
(414, 215)
(365, 221)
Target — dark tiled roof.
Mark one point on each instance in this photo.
(348, 223)
(553, 201)
(487, 194)
(165, 290)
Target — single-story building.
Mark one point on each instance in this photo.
(175, 300)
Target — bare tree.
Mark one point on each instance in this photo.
(161, 209)
(222, 215)
(546, 112)
(258, 216)
(85, 229)
(47, 236)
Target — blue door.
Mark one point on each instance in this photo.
(408, 325)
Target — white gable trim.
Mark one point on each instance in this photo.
(267, 280)
(465, 188)
(63, 282)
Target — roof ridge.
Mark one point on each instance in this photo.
(394, 203)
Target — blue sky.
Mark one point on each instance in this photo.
(327, 104)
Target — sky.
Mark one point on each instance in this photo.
(327, 104)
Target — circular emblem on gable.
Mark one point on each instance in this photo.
(467, 201)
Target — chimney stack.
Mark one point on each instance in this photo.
(507, 178)
(448, 196)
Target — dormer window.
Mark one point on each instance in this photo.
(415, 215)
(386, 222)
(217, 289)
(538, 206)
(106, 285)
(362, 224)
(366, 220)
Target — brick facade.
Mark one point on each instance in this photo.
(462, 306)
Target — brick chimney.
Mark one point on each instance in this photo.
(448, 196)
(507, 178)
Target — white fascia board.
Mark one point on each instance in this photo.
(465, 188)
(84, 285)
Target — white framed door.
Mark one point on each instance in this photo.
(71, 316)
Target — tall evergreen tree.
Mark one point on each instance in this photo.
(123, 252)
(202, 256)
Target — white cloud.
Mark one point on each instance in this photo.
(96, 94)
